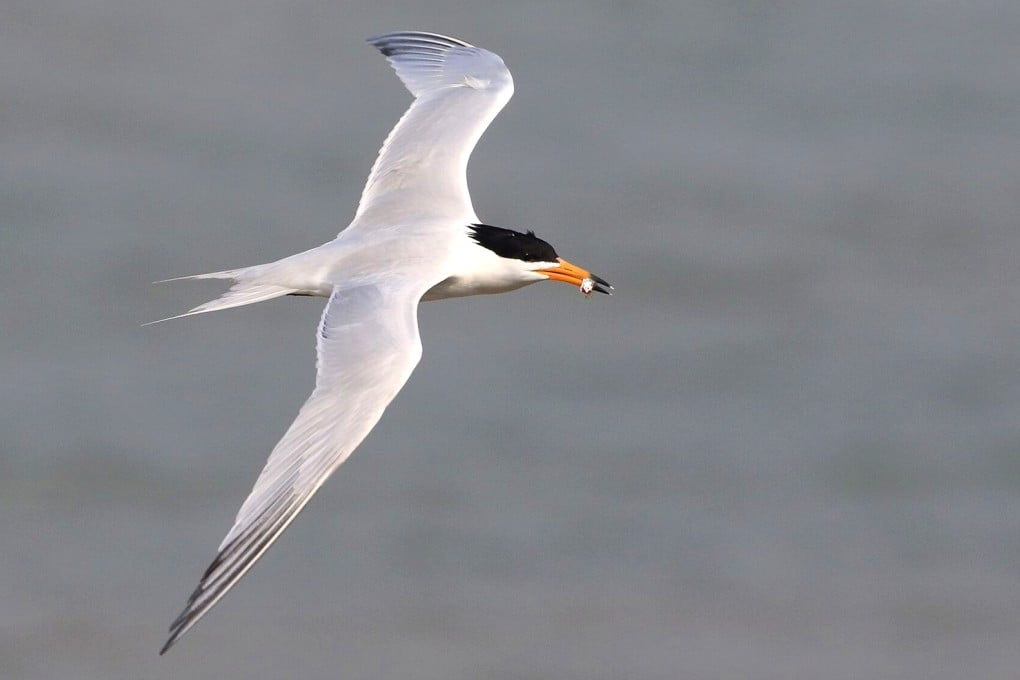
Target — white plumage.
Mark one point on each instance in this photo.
(415, 236)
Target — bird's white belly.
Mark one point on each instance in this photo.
(457, 286)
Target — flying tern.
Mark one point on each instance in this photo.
(415, 236)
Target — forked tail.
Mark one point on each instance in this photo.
(246, 290)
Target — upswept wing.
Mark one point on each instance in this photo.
(422, 166)
(367, 346)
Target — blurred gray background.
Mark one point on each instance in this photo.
(789, 447)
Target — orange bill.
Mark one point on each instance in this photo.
(572, 274)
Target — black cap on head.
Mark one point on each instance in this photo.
(513, 244)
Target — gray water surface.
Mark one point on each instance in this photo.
(787, 448)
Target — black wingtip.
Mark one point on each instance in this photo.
(399, 41)
(180, 626)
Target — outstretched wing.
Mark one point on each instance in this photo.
(422, 166)
(368, 344)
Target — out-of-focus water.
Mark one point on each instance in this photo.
(789, 447)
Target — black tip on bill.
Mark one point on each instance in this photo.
(601, 285)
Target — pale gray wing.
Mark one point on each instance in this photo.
(422, 166)
(367, 346)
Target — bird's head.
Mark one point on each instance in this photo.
(535, 259)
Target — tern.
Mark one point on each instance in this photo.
(415, 236)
